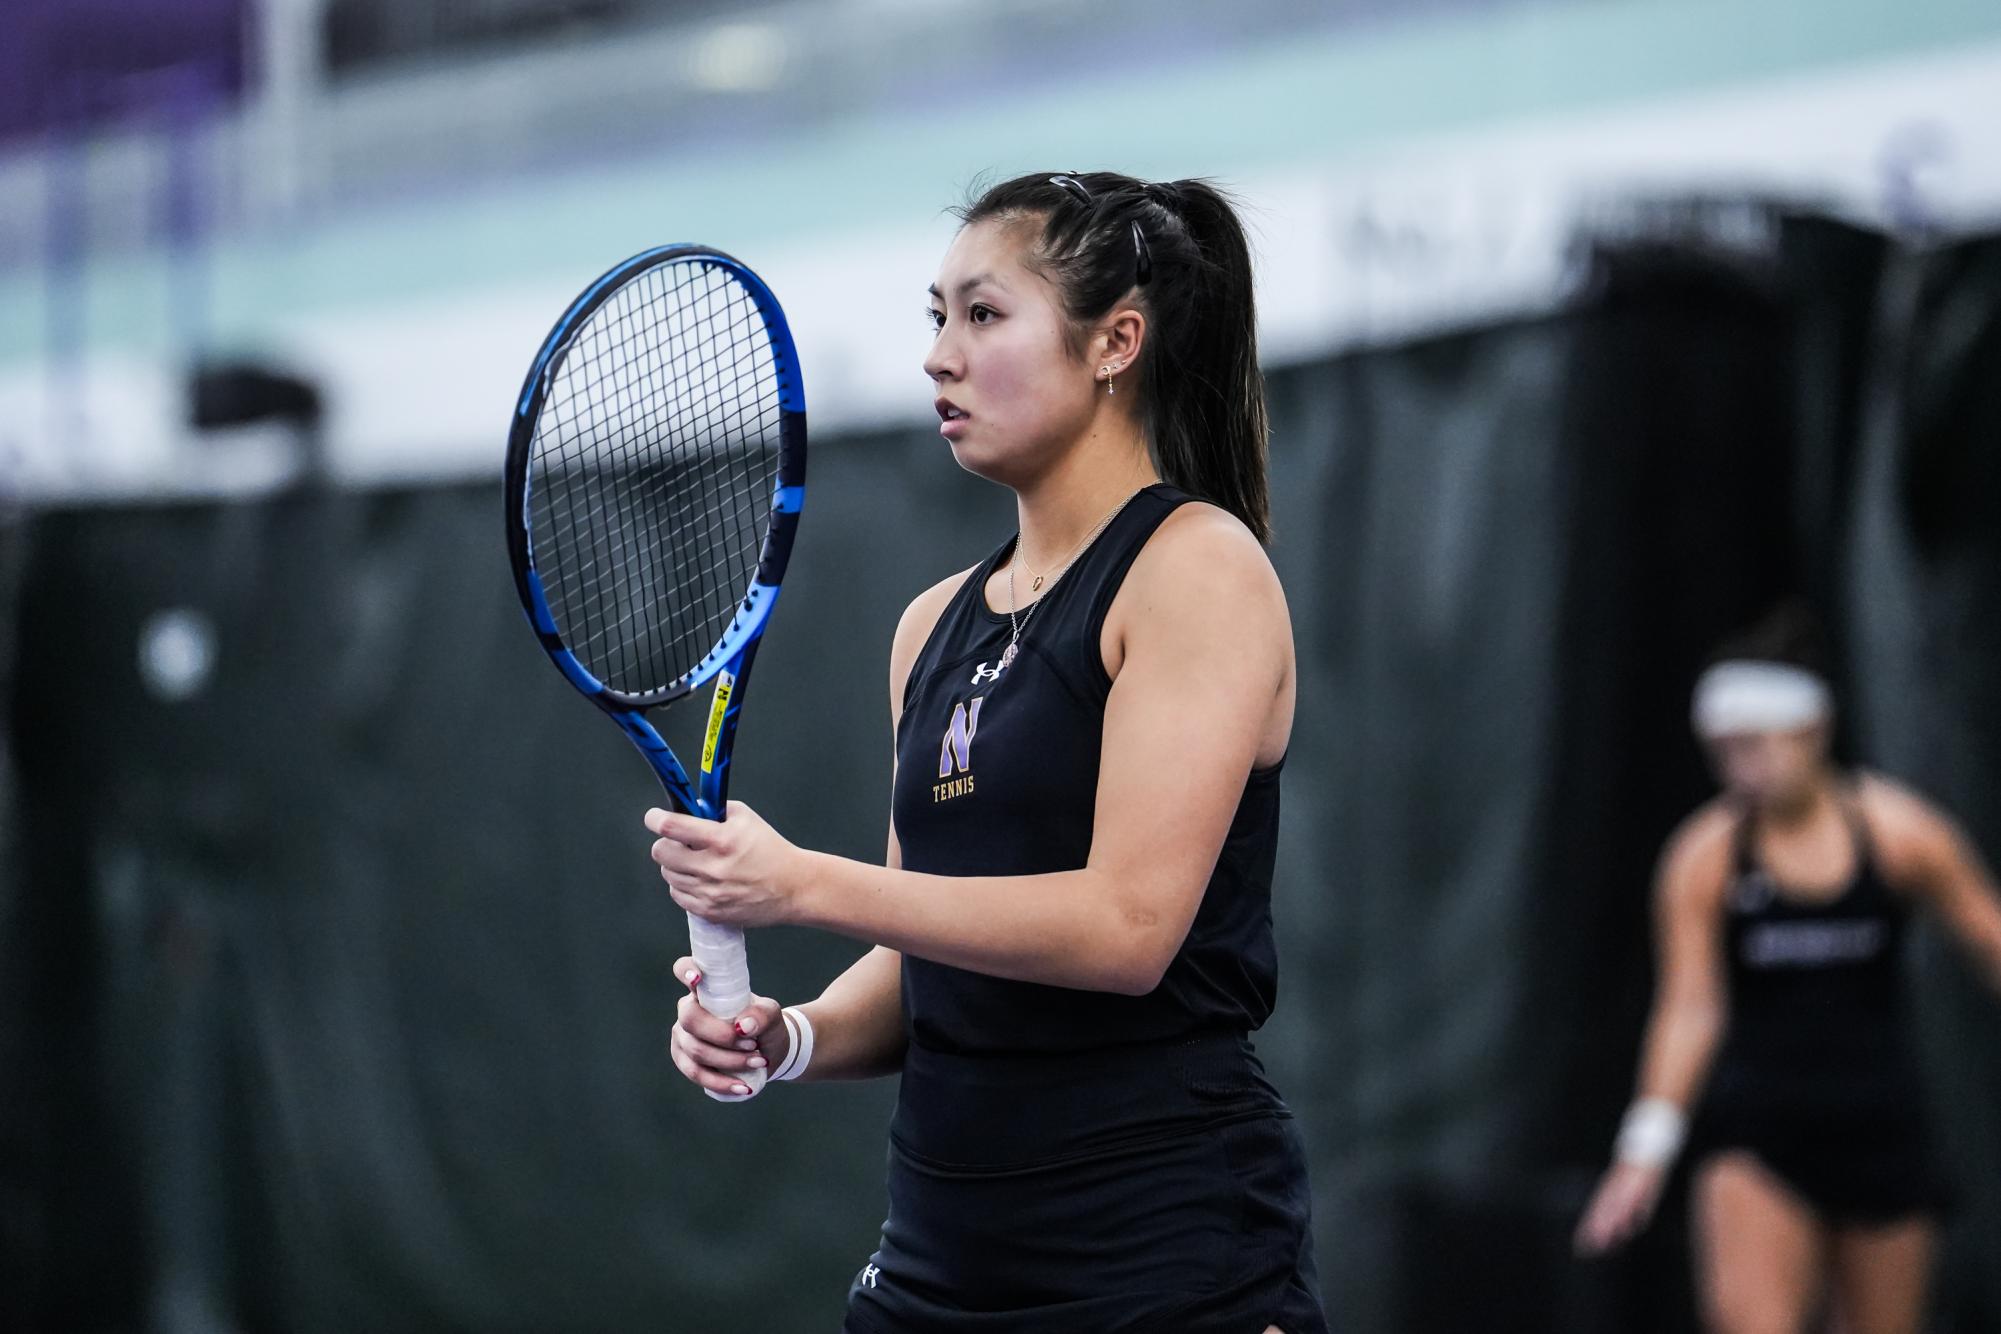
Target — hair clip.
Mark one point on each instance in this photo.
(1142, 257)
(1073, 186)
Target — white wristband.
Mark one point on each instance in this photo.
(1652, 1133)
(800, 1053)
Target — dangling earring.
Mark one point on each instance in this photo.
(1109, 387)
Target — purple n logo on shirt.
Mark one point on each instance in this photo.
(956, 754)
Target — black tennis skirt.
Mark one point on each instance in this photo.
(1859, 1154)
(1158, 1188)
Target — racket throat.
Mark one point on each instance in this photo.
(720, 715)
(718, 740)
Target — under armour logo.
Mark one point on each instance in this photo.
(869, 1272)
(986, 673)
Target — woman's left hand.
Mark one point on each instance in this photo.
(738, 871)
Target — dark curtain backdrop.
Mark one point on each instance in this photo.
(334, 996)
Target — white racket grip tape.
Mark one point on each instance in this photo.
(724, 990)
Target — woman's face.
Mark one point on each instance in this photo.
(1770, 769)
(1010, 395)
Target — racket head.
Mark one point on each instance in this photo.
(656, 467)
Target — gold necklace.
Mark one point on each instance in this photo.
(1035, 582)
(1017, 626)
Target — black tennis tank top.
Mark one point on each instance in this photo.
(1816, 1008)
(997, 775)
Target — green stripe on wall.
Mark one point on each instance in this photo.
(1308, 98)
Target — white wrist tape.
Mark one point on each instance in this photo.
(1652, 1133)
(1737, 697)
(800, 1054)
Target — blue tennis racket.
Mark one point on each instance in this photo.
(655, 473)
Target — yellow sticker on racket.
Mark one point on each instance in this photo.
(717, 708)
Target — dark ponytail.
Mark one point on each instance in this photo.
(1178, 250)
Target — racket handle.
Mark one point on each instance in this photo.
(724, 990)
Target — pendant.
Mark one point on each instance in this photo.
(1007, 656)
(1035, 583)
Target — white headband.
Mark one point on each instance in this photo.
(1736, 697)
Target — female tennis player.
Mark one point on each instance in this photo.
(1781, 908)
(1073, 931)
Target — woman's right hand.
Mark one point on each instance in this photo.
(714, 1052)
(1621, 1208)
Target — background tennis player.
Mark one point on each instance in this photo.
(1781, 912)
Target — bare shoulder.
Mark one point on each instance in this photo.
(1201, 606)
(1695, 862)
(919, 619)
(1892, 804)
(1202, 556)
(1911, 834)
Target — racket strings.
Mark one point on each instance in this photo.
(708, 506)
(654, 459)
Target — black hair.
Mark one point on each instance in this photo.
(1176, 250)
(1789, 633)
